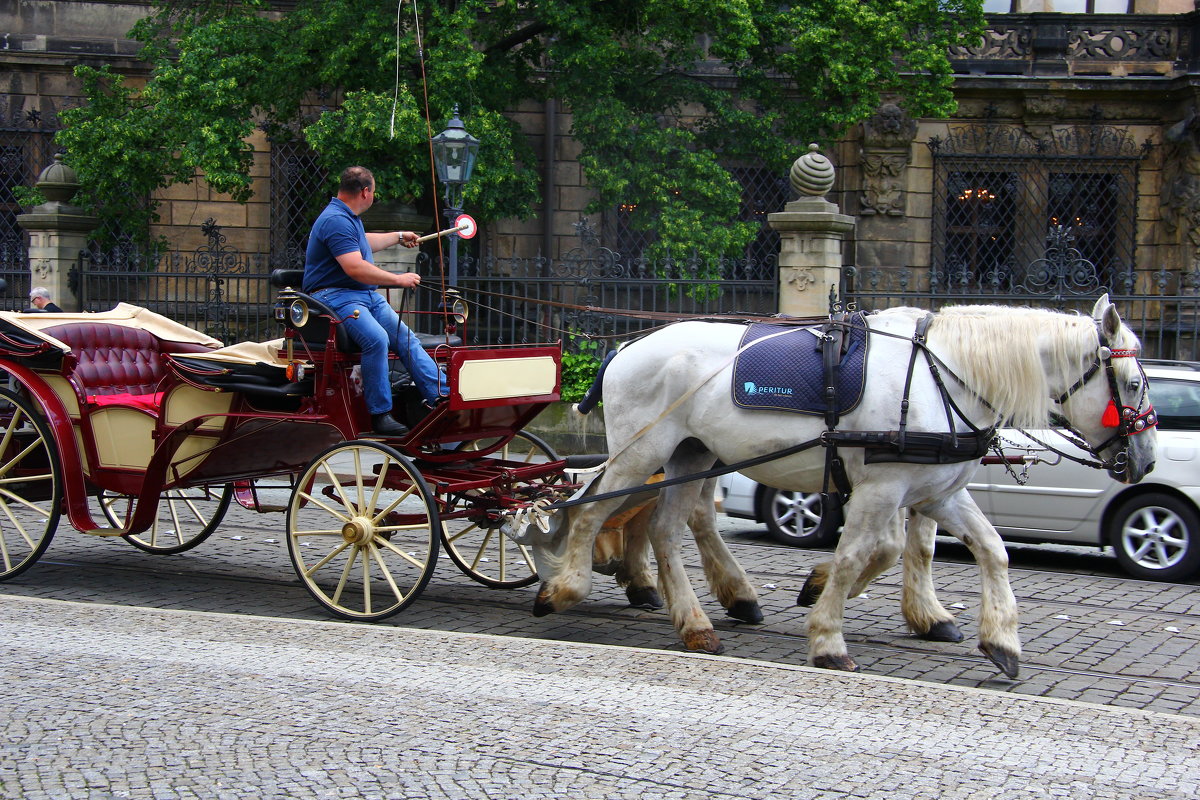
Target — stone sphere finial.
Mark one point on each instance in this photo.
(58, 182)
(812, 173)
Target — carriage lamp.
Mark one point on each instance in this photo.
(454, 153)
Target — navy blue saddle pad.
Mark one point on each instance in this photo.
(783, 369)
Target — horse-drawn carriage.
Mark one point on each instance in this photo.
(160, 428)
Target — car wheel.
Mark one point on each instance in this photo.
(1156, 537)
(800, 519)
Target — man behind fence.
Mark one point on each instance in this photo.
(40, 297)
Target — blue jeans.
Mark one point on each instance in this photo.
(377, 329)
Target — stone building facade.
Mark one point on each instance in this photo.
(1075, 114)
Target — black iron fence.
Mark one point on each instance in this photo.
(214, 289)
(226, 294)
(579, 297)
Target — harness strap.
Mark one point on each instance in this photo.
(724, 469)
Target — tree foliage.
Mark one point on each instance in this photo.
(662, 93)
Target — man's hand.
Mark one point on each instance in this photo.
(406, 280)
(408, 238)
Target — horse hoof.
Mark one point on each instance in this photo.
(810, 592)
(1008, 661)
(703, 642)
(644, 597)
(541, 604)
(843, 663)
(746, 611)
(944, 631)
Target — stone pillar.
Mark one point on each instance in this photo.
(58, 232)
(811, 231)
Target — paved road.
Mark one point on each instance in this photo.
(1097, 638)
(111, 702)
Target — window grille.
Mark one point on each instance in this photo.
(1000, 195)
(298, 193)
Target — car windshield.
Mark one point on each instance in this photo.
(1177, 404)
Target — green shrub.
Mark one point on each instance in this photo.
(580, 364)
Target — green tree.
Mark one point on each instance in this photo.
(661, 92)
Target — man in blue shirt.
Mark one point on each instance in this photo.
(340, 271)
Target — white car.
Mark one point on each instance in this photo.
(1153, 526)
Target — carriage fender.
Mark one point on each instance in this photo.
(74, 491)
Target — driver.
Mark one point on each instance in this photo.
(339, 270)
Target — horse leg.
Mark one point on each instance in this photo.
(726, 578)
(884, 555)
(998, 640)
(882, 558)
(827, 647)
(924, 614)
(675, 505)
(634, 572)
(570, 570)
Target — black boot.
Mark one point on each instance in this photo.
(384, 425)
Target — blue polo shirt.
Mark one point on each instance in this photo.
(336, 232)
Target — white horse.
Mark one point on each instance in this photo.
(668, 403)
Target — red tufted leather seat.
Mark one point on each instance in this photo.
(114, 359)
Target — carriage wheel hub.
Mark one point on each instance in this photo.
(358, 531)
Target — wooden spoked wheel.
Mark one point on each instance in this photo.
(186, 517)
(362, 531)
(30, 485)
(484, 553)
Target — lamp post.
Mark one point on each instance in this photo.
(454, 153)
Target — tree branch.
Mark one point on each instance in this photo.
(517, 37)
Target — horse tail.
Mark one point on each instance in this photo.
(596, 392)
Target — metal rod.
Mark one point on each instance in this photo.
(444, 233)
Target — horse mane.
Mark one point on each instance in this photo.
(1014, 357)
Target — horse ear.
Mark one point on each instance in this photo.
(1106, 316)
(1111, 323)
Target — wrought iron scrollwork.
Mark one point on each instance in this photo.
(1063, 271)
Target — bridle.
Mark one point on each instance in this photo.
(1126, 420)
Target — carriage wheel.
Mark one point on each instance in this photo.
(186, 517)
(362, 531)
(485, 554)
(30, 485)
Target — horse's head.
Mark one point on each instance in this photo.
(1110, 405)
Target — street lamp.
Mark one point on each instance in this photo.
(454, 152)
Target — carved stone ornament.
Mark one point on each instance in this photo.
(883, 183)
(798, 279)
(887, 137)
(812, 173)
(1041, 106)
(889, 128)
